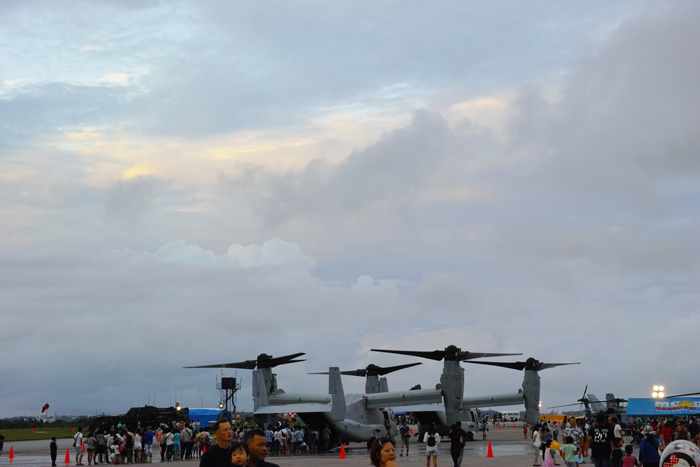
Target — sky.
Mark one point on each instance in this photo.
(189, 183)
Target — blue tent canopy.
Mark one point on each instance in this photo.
(678, 406)
(204, 416)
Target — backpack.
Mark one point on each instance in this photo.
(431, 440)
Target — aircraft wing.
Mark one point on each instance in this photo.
(294, 408)
(392, 399)
(419, 408)
(515, 398)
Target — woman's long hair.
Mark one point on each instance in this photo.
(375, 456)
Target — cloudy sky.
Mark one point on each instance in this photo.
(187, 183)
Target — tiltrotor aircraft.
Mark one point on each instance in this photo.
(373, 384)
(531, 382)
(352, 417)
(451, 406)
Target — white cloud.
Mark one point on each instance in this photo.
(565, 214)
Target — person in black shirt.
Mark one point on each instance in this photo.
(601, 440)
(257, 448)
(217, 455)
(54, 451)
(458, 437)
(694, 429)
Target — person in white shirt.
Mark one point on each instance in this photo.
(536, 442)
(431, 440)
(78, 444)
(617, 431)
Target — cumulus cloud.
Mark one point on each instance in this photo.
(575, 222)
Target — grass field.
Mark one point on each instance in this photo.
(25, 434)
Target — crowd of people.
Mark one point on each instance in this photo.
(602, 439)
(121, 444)
(285, 440)
(605, 442)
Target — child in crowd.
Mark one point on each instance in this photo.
(548, 454)
(239, 453)
(629, 460)
(568, 452)
(617, 452)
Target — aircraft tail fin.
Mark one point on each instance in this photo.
(260, 396)
(335, 389)
(596, 404)
(383, 385)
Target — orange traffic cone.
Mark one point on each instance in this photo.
(411, 430)
(204, 449)
(513, 425)
(83, 448)
(499, 426)
(73, 430)
(342, 451)
(12, 453)
(58, 428)
(490, 452)
(67, 461)
(32, 430)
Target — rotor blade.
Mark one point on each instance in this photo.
(512, 365)
(463, 356)
(434, 355)
(544, 366)
(381, 371)
(566, 405)
(247, 365)
(319, 373)
(584, 392)
(290, 361)
(362, 372)
(285, 359)
(683, 395)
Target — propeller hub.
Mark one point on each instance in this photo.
(532, 364)
(452, 352)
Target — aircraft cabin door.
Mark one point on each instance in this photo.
(387, 423)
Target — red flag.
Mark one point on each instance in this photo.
(45, 408)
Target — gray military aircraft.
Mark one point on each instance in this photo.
(451, 406)
(531, 382)
(352, 417)
(373, 384)
(612, 406)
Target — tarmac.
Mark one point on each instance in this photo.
(509, 449)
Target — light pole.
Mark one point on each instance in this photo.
(658, 392)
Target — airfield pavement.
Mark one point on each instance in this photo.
(509, 449)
